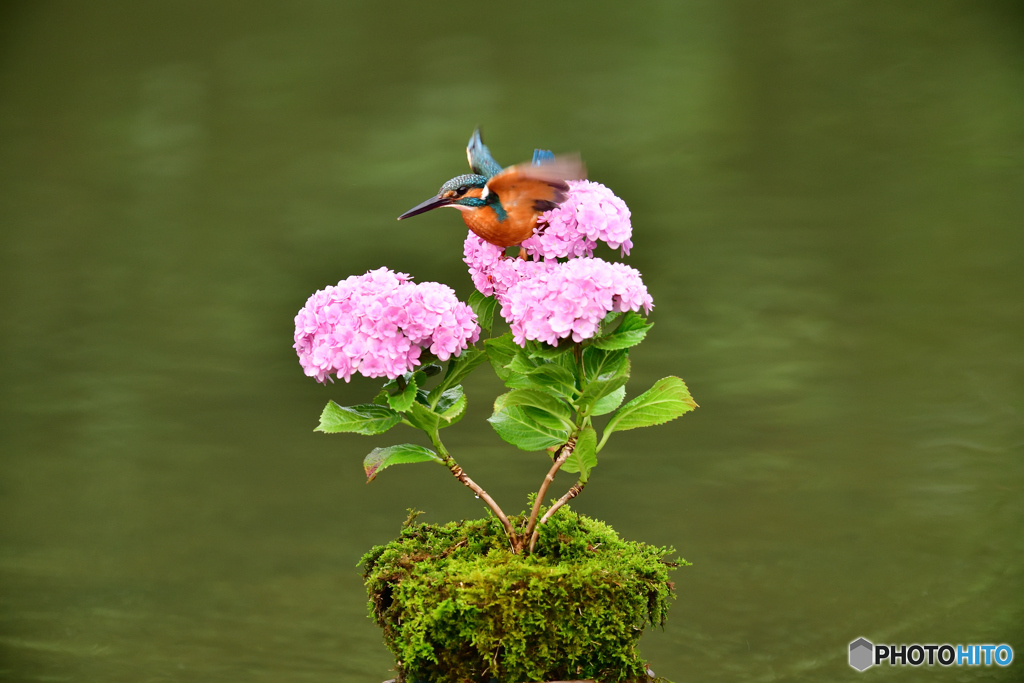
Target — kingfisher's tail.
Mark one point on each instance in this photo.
(542, 156)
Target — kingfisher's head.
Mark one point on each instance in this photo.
(461, 192)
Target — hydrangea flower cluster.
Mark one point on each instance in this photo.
(548, 300)
(491, 271)
(570, 299)
(378, 324)
(590, 212)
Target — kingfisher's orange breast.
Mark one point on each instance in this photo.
(507, 233)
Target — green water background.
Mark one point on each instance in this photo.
(827, 208)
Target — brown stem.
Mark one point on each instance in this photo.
(569, 495)
(456, 470)
(563, 454)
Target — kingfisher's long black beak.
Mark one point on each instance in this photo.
(431, 203)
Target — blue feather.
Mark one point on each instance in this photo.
(480, 159)
(542, 156)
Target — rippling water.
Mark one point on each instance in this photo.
(827, 210)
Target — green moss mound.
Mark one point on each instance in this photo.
(457, 606)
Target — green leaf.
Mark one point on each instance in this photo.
(365, 418)
(584, 454)
(606, 372)
(547, 404)
(537, 349)
(500, 351)
(607, 404)
(666, 400)
(451, 406)
(541, 416)
(606, 324)
(381, 458)
(633, 322)
(521, 370)
(526, 427)
(422, 417)
(631, 331)
(402, 400)
(555, 376)
(599, 389)
(393, 384)
(449, 399)
(522, 363)
(484, 307)
(600, 364)
(458, 368)
(550, 378)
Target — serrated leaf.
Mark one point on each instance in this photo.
(568, 361)
(525, 372)
(365, 418)
(601, 364)
(520, 426)
(500, 352)
(606, 373)
(538, 349)
(606, 323)
(422, 417)
(634, 321)
(392, 384)
(402, 400)
(666, 400)
(607, 404)
(484, 307)
(431, 370)
(541, 416)
(548, 405)
(621, 340)
(458, 368)
(522, 363)
(448, 399)
(630, 332)
(584, 454)
(382, 458)
(553, 379)
(451, 406)
(598, 389)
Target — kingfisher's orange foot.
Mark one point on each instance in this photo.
(521, 255)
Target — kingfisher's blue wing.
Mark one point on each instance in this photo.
(542, 156)
(480, 159)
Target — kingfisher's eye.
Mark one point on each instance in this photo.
(462, 189)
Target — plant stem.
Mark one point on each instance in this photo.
(569, 495)
(457, 472)
(563, 454)
(577, 352)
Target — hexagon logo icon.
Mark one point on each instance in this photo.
(861, 654)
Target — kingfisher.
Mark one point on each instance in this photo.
(502, 205)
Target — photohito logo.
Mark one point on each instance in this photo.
(865, 654)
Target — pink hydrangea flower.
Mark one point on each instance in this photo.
(570, 299)
(378, 324)
(590, 212)
(492, 272)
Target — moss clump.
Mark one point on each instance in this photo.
(457, 606)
